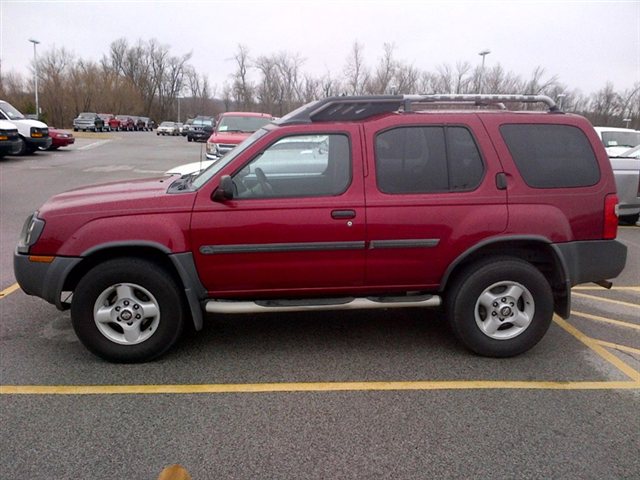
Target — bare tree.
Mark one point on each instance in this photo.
(355, 72)
(241, 87)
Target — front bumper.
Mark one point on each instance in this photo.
(44, 280)
(63, 142)
(199, 136)
(40, 142)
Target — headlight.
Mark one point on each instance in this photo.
(39, 132)
(31, 231)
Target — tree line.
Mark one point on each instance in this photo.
(146, 79)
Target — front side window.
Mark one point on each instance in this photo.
(551, 156)
(298, 166)
(421, 159)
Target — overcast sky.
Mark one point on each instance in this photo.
(585, 43)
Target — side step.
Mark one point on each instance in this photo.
(319, 304)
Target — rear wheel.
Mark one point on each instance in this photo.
(500, 307)
(127, 310)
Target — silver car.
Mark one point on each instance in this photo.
(626, 169)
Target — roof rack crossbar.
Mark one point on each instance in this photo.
(360, 107)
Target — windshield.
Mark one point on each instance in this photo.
(242, 124)
(167, 124)
(87, 115)
(206, 122)
(205, 175)
(621, 139)
(10, 111)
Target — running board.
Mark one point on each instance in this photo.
(319, 304)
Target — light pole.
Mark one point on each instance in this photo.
(560, 98)
(35, 66)
(483, 54)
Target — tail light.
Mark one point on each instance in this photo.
(610, 230)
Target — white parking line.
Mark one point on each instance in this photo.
(94, 145)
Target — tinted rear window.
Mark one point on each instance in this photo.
(552, 156)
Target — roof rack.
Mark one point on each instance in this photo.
(360, 107)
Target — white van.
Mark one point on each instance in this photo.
(33, 133)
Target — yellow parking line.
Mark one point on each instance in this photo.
(9, 290)
(601, 351)
(606, 300)
(615, 346)
(309, 387)
(597, 287)
(606, 320)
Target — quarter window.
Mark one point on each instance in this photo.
(552, 156)
(298, 166)
(427, 160)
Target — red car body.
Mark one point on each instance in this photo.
(60, 138)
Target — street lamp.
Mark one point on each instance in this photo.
(35, 66)
(483, 54)
(560, 98)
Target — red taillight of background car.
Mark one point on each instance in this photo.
(610, 230)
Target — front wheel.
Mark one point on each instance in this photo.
(500, 307)
(127, 310)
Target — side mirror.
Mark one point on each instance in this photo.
(225, 190)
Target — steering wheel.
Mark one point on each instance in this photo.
(266, 187)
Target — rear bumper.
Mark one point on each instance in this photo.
(591, 261)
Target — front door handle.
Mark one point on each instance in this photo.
(343, 214)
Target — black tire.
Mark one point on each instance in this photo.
(628, 219)
(22, 149)
(479, 302)
(135, 288)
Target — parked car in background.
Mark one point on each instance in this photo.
(147, 123)
(231, 129)
(201, 128)
(626, 170)
(126, 123)
(88, 121)
(186, 127)
(618, 140)
(105, 118)
(141, 124)
(33, 134)
(9, 138)
(192, 168)
(114, 123)
(60, 138)
(167, 128)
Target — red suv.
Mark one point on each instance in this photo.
(231, 129)
(347, 202)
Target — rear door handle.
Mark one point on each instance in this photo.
(343, 214)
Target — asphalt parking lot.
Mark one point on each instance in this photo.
(383, 394)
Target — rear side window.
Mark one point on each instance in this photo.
(427, 160)
(552, 156)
